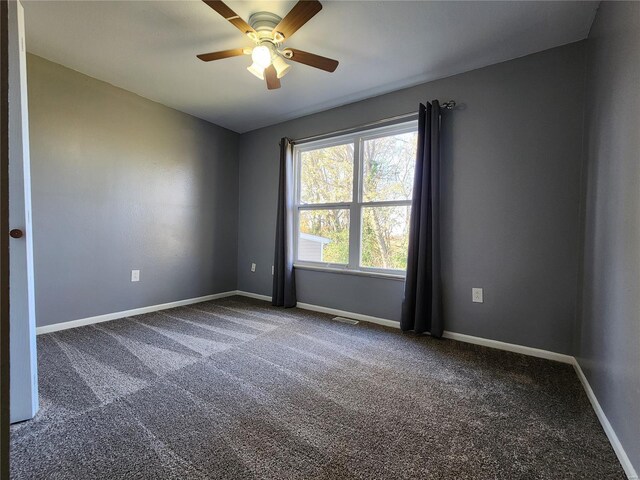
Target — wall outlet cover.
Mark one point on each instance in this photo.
(477, 295)
(253, 267)
(135, 275)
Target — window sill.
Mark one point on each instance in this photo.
(360, 273)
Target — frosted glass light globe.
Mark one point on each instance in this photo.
(261, 56)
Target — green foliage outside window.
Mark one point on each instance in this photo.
(387, 169)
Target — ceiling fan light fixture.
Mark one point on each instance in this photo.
(261, 56)
(268, 32)
(256, 70)
(280, 65)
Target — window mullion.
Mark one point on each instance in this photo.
(324, 206)
(354, 214)
(387, 203)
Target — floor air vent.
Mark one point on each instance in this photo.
(350, 321)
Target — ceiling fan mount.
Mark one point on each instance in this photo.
(268, 31)
(264, 22)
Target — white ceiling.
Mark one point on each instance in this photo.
(150, 47)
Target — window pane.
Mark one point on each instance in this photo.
(324, 236)
(326, 174)
(385, 237)
(388, 164)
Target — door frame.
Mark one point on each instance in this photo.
(4, 241)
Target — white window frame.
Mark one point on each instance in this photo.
(355, 206)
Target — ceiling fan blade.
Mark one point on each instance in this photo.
(208, 57)
(313, 60)
(300, 14)
(271, 77)
(230, 16)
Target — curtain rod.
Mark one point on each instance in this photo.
(450, 105)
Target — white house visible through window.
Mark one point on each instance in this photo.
(353, 199)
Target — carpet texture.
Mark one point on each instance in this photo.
(236, 389)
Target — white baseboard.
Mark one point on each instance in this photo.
(606, 426)
(509, 347)
(128, 313)
(343, 313)
(257, 296)
(330, 311)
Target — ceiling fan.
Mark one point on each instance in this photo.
(268, 32)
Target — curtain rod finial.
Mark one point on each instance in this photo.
(450, 105)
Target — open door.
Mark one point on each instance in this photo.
(22, 318)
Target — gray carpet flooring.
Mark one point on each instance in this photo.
(236, 389)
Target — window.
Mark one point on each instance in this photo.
(353, 200)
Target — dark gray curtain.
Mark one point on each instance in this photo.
(422, 303)
(284, 281)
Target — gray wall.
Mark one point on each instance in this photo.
(122, 183)
(609, 334)
(511, 187)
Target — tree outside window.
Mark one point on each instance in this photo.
(353, 199)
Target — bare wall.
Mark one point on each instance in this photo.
(122, 183)
(511, 187)
(609, 334)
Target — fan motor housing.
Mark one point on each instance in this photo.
(264, 22)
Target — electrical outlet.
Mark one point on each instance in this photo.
(135, 275)
(253, 267)
(271, 269)
(477, 295)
